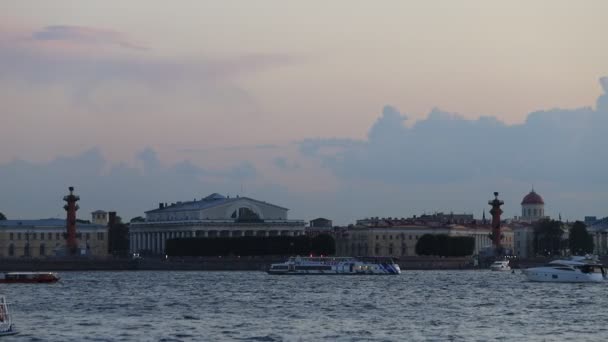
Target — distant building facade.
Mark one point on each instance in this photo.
(99, 217)
(398, 238)
(212, 216)
(47, 238)
(599, 230)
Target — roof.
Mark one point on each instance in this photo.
(532, 198)
(210, 201)
(50, 222)
(99, 212)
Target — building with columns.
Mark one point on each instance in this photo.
(599, 230)
(47, 238)
(212, 216)
(399, 238)
(532, 207)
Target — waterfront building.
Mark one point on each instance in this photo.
(532, 208)
(47, 238)
(99, 217)
(599, 230)
(212, 216)
(524, 239)
(398, 238)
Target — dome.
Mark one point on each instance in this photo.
(532, 198)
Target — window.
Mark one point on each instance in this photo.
(390, 249)
(18, 236)
(377, 249)
(57, 236)
(26, 250)
(88, 236)
(27, 236)
(41, 236)
(390, 237)
(11, 250)
(383, 237)
(42, 250)
(50, 236)
(99, 236)
(11, 236)
(33, 236)
(377, 237)
(410, 237)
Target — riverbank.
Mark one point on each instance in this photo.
(226, 264)
(198, 264)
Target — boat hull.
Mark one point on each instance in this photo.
(542, 274)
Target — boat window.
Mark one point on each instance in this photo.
(564, 268)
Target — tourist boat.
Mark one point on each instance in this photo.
(28, 277)
(574, 270)
(6, 324)
(335, 265)
(501, 265)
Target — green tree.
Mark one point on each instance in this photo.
(427, 245)
(2, 217)
(323, 244)
(548, 237)
(138, 219)
(580, 241)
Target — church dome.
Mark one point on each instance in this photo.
(532, 198)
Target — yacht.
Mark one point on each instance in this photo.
(28, 277)
(574, 270)
(335, 265)
(6, 324)
(501, 265)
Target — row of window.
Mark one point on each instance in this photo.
(27, 252)
(49, 236)
(390, 237)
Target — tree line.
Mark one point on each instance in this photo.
(445, 246)
(548, 238)
(322, 244)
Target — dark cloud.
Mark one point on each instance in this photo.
(560, 145)
(35, 190)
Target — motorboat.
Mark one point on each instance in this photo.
(28, 277)
(574, 270)
(500, 265)
(335, 265)
(6, 324)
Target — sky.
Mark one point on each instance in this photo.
(341, 109)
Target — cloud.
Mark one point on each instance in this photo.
(84, 35)
(35, 189)
(78, 56)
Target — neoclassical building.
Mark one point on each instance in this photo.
(532, 207)
(212, 216)
(599, 230)
(47, 238)
(400, 240)
(532, 210)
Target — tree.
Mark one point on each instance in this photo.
(2, 217)
(548, 237)
(426, 245)
(580, 241)
(138, 219)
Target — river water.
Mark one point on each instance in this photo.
(254, 306)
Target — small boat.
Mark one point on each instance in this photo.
(6, 324)
(501, 265)
(28, 277)
(574, 270)
(335, 265)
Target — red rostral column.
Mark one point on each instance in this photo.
(496, 211)
(71, 208)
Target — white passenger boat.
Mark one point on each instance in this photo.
(6, 324)
(335, 265)
(574, 270)
(501, 265)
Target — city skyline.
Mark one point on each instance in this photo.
(349, 110)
